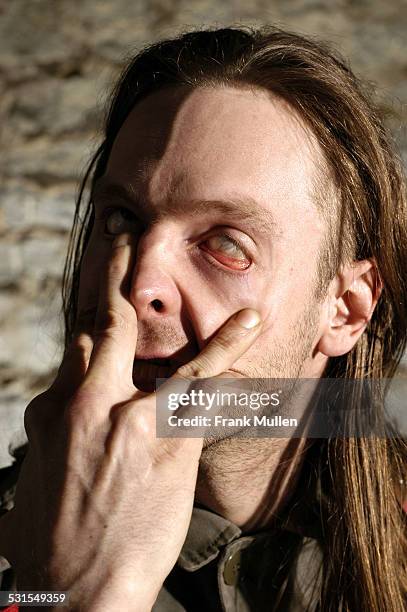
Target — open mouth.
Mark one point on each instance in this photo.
(146, 372)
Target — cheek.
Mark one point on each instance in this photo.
(215, 298)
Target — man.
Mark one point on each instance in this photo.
(247, 217)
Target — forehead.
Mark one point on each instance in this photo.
(217, 143)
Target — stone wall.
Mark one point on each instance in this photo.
(57, 58)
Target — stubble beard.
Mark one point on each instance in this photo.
(235, 469)
(283, 361)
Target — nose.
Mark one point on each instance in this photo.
(154, 292)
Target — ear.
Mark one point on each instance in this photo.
(352, 298)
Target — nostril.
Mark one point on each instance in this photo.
(157, 305)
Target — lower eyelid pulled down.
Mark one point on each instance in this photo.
(241, 252)
(229, 265)
(130, 223)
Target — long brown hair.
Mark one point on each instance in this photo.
(365, 536)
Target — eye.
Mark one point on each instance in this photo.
(117, 221)
(227, 251)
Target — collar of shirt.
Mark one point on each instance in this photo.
(209, 532)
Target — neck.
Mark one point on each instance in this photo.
(249, 481)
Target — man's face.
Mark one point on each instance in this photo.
(219, 195)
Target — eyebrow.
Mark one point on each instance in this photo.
(238, 208)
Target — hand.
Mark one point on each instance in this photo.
(102, 506)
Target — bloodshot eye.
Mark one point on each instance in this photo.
(227, 251)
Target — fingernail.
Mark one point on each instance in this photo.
(248, 318)
(121, 240)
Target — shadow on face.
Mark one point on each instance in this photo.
(216, 185)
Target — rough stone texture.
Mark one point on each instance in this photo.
(56, 60)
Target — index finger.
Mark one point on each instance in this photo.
(115, 333)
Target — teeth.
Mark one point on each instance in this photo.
(145, 374)
(161, 362)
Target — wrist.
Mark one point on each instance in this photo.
(126, 597)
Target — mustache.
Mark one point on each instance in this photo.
(163, 335)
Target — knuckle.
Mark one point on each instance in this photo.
(83, 346)
(143, 423)
(80, 346)
(194, 369)
(85, 319)
(115, 266)
(181, 373)
(139, 421)
(111, 320)
(223, 342)
(131, 430)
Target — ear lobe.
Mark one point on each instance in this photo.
(358, 287)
